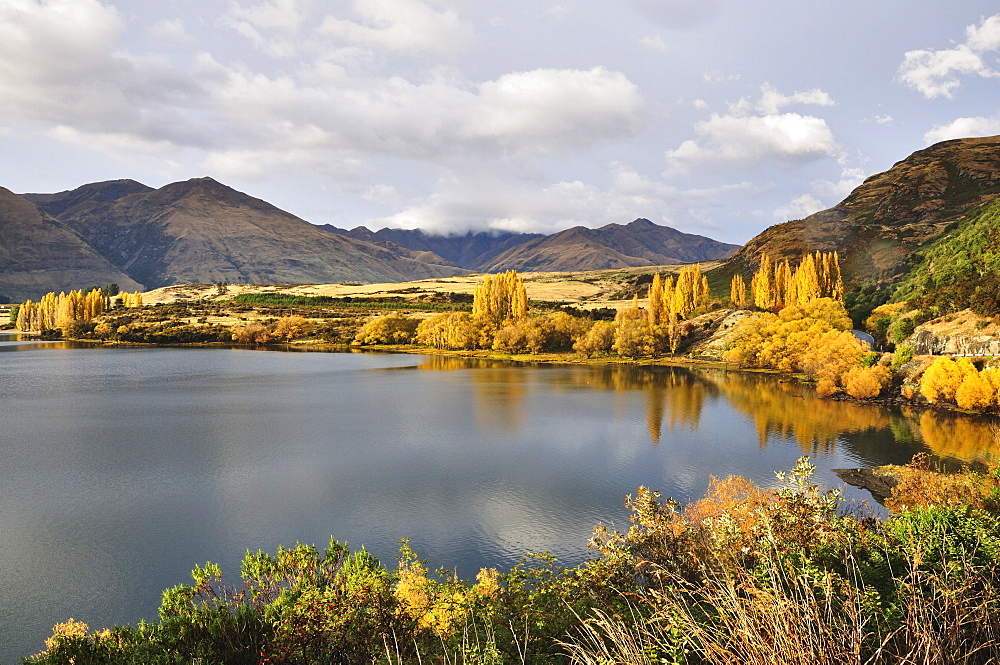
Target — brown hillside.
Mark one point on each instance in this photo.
(203, 231)
(877, 227)
(39, 254)
(640, 243)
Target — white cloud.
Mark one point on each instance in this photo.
(938, 73)
(53, 40)
(771, 101)
(850, 179)
(799, 208)
(170, 31)
(715, 77)
(565, 106)
(883, 119)
(402, 25)
(79, 77)
(273, 27)
(963, 128)
(655, 44)
(985, 37)
(739, 138)
(823, 194)
(483, 198)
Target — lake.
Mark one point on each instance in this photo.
(122, 468)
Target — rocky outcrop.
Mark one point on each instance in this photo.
(963, 333)
(925, 342)
(708, 335)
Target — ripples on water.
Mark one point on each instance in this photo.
(122, 468)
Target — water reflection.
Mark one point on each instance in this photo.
(960, 437)
(781, 410)
(149, 460)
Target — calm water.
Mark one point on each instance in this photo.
(122, 468)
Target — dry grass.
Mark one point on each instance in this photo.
(595, 288)
(782, 616)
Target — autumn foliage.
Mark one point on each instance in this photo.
(957, 381)
(777, 285)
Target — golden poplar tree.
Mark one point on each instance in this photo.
(782, 285)
(738, 291)
(808, 280)
(674, 322)
(656, 307)
(500, 299)
(24, 316)
(761, 285)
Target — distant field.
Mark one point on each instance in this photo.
(598, 288)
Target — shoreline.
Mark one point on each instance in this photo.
(551, 358)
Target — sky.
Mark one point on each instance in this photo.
(714, 117)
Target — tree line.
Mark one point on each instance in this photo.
(60, 312)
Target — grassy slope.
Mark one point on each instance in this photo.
(960, 266)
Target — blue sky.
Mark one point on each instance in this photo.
(714, 117)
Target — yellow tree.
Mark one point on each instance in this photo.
(834, 281)
(71, 308)
(656, 308)
(673, 321)
(92, 304)
(761, 285)
(48, 311)
(783, 287)
(942, 379)
(633, 336)
(25, 316)
(807, 281)
(738, 291)
(704, 292)
(975, 392)
(500, 299)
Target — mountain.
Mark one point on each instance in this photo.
(639, 243)
(473, 251)
(38, 254)
(203, 231)
(877, 228)
(362, 233)
(87, 199)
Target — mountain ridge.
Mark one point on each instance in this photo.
(200, 230)
(882, 221)
(39, 253)
(638, 243)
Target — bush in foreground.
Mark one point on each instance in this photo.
(745, 575)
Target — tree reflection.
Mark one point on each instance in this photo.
(779, 409)
(961, 437)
